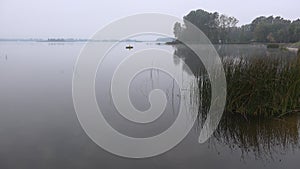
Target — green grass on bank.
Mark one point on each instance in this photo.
(273, 46)
(294, 45)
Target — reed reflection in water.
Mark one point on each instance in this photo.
(262, 137)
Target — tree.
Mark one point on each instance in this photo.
(294, 31)
(177, 29)
(226, 26)
(223, 28)
(207, 22)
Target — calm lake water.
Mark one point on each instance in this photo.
(39, 127)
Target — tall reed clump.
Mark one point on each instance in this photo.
(266, 87)
(263, 86)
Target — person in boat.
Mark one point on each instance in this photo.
(129, 47)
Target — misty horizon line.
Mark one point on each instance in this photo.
(61, 39)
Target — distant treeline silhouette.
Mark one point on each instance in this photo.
(220, 28)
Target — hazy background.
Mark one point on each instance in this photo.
(82, 18)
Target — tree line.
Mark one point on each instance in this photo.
(220, 28)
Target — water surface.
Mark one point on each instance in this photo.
(39, 127)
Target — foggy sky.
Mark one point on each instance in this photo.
(82, 18)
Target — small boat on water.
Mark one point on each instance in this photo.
(129, 47)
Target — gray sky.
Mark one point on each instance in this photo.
(82, 18)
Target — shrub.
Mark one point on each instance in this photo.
(273, 46)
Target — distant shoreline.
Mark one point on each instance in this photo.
(62, 40)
